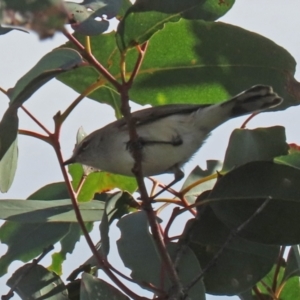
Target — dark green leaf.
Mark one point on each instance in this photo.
(8, 147)
(239, 266)
(145, 18)
(45, 17)
(238, 195)
(35, 211)
(192, 62)
(37, 282)
(247, 145)
(92, 287)
(136, 244)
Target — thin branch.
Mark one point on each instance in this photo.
(91, 59)
(85, 93)
(35, 135)
(3, 91)
(147, 201)
(269, 290)
(100, 260)
(142, 50)
(249, 119)
(26, 272)
(36, 120)
(231, 236)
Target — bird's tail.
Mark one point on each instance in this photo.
(255, 99)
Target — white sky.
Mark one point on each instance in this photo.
(275, 19)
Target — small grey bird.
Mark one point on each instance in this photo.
(169, 135)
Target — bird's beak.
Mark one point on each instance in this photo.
(69, 161)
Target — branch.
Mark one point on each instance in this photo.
(35, 135)
(91, 59)
(34, 119)
(142, 51)
(26, 272)
(102, 262)
(147, 201)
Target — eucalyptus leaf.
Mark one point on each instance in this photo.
(238, 196)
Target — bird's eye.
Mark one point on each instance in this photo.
(84, 145)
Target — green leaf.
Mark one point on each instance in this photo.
(145, 18)
(84, 14)
(212, 167)
(37, 282)
(291, 289)
(99, 182)
(258, 144)
(49, 66)
(136, 243)
(35, 211)
(45, 17)
(27, 240)
(8, 135)
(192, 62)
(91, 287)
(292, 159)
(238, 195)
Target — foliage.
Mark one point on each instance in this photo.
(244, 211)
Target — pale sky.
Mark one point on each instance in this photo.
(275, 19)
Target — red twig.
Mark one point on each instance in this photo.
(142, 51)
(248, 120)
(92, 60)
(104, 265)
(36, 120)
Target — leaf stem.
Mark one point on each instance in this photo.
(85, 93)
(198, 182)
(249, 119)
(3, 91)
(142, 51)
(92, 60)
